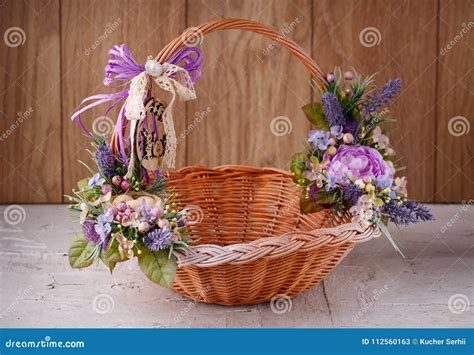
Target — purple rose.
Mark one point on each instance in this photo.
(352, 162)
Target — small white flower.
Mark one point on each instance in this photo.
(84, 211)
(380, 138)
(102, 199)
(359, 183)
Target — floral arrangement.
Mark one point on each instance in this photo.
(122, 218)
(349, 163)
(125, 207)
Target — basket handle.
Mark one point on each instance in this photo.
(248, 25)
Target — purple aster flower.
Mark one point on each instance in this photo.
(103, 227)
(158, 239)
(106, 160)
(422, 213)
(332, 110)
(89, 232)
(96, 180)
(352, 194)
(319, 138)
(379, 100)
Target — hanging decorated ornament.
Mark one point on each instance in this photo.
(176, 76)
(156, 108)
(151, 136)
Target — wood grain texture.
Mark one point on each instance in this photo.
(30, 134)
(455, 103)
(89, 30)
(400, 41)
(250, 86)
(248, 81)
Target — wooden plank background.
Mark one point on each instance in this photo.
(247, 82)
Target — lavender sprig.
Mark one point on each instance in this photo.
(352, 194)
(422, 213)
(88, 228)
(379, 100)
(106, 160)
(408, 213)
(332, 110)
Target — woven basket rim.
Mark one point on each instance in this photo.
(209, 255)
(232, 167)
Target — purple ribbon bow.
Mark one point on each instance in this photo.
(120, 69)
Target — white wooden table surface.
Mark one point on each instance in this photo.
(372, 287)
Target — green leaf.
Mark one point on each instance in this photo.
(325, 199)
(81, 253)
(82, 184)
(112, 255)
(157, 266)
(385, 232)
(321, 201)
(298, 166)
(315, 114)
(308, 205)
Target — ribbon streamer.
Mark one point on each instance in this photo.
(176, 76)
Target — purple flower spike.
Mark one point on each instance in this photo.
(352, 194)
(379, 100)
(404, 214)
(106, 160)
(422, 213)
(333, 111)
(89, 232)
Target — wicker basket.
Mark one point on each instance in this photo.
(253, 241)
